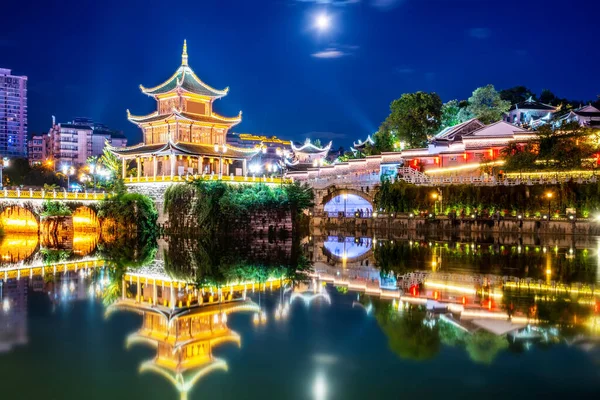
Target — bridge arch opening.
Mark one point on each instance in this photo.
(85, 220)
(347, 204)
(17, 247)
(16, 219)
(348, 248)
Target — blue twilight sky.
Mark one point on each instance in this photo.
(87, 58)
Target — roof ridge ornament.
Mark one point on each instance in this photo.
(184, 55)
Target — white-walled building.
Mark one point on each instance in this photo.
(73, 142)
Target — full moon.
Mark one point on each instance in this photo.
(322, 22)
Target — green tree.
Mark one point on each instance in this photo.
(486, 105)
(483, 346)
(384, 141)
(547, 97)
(518, 158)
(413, 118)
(407, 335)
(16, 173)
(516, 94)
(455, 112)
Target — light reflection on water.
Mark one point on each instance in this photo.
(382, 302)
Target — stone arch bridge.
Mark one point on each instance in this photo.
(22, 211)
(343, 199)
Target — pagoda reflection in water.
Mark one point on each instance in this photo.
(183, 335)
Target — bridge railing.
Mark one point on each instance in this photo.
(423, 179)
(355, 180)
(50, 194)
(207, 177)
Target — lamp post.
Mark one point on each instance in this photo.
(549, 197)
(220, 150)
(3, 164)
(345, 198)
(68, 171)
(434, 196)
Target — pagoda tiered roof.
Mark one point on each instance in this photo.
(176, 114)
(184, 79)
(186, 149)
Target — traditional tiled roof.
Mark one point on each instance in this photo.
(309, 148)
(361, 145)
(185, 79)
(181, 148)
(531, 104)
(587, 111)
(497, 129)
(211, 119)
(461, 129)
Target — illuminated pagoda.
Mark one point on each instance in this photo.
(184, 338)
(184, 135)
(308, 155)
(360, 146)
(528, 112)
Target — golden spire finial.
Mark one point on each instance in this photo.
(184, 56)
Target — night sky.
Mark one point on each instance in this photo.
(88, 58)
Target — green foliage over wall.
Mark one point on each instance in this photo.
(130, 211)
(528, 199)
(214, 205)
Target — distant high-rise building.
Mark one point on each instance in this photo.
(13, 114)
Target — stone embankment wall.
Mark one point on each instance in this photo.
(484, 226)
(258, 222)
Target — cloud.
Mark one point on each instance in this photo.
(329, 53)
(385, 5)
(404, 70)
(336, 51)
(480, 33)
(340, 3)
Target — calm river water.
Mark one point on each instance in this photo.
(332, 316)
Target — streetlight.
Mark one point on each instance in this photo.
(4, 164)
(220, 150)
(68, 171)
(549, 197)
(434, 196)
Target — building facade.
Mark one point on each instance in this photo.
(13, 114)
(184, 135)
(39, 148)
(73, 142)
